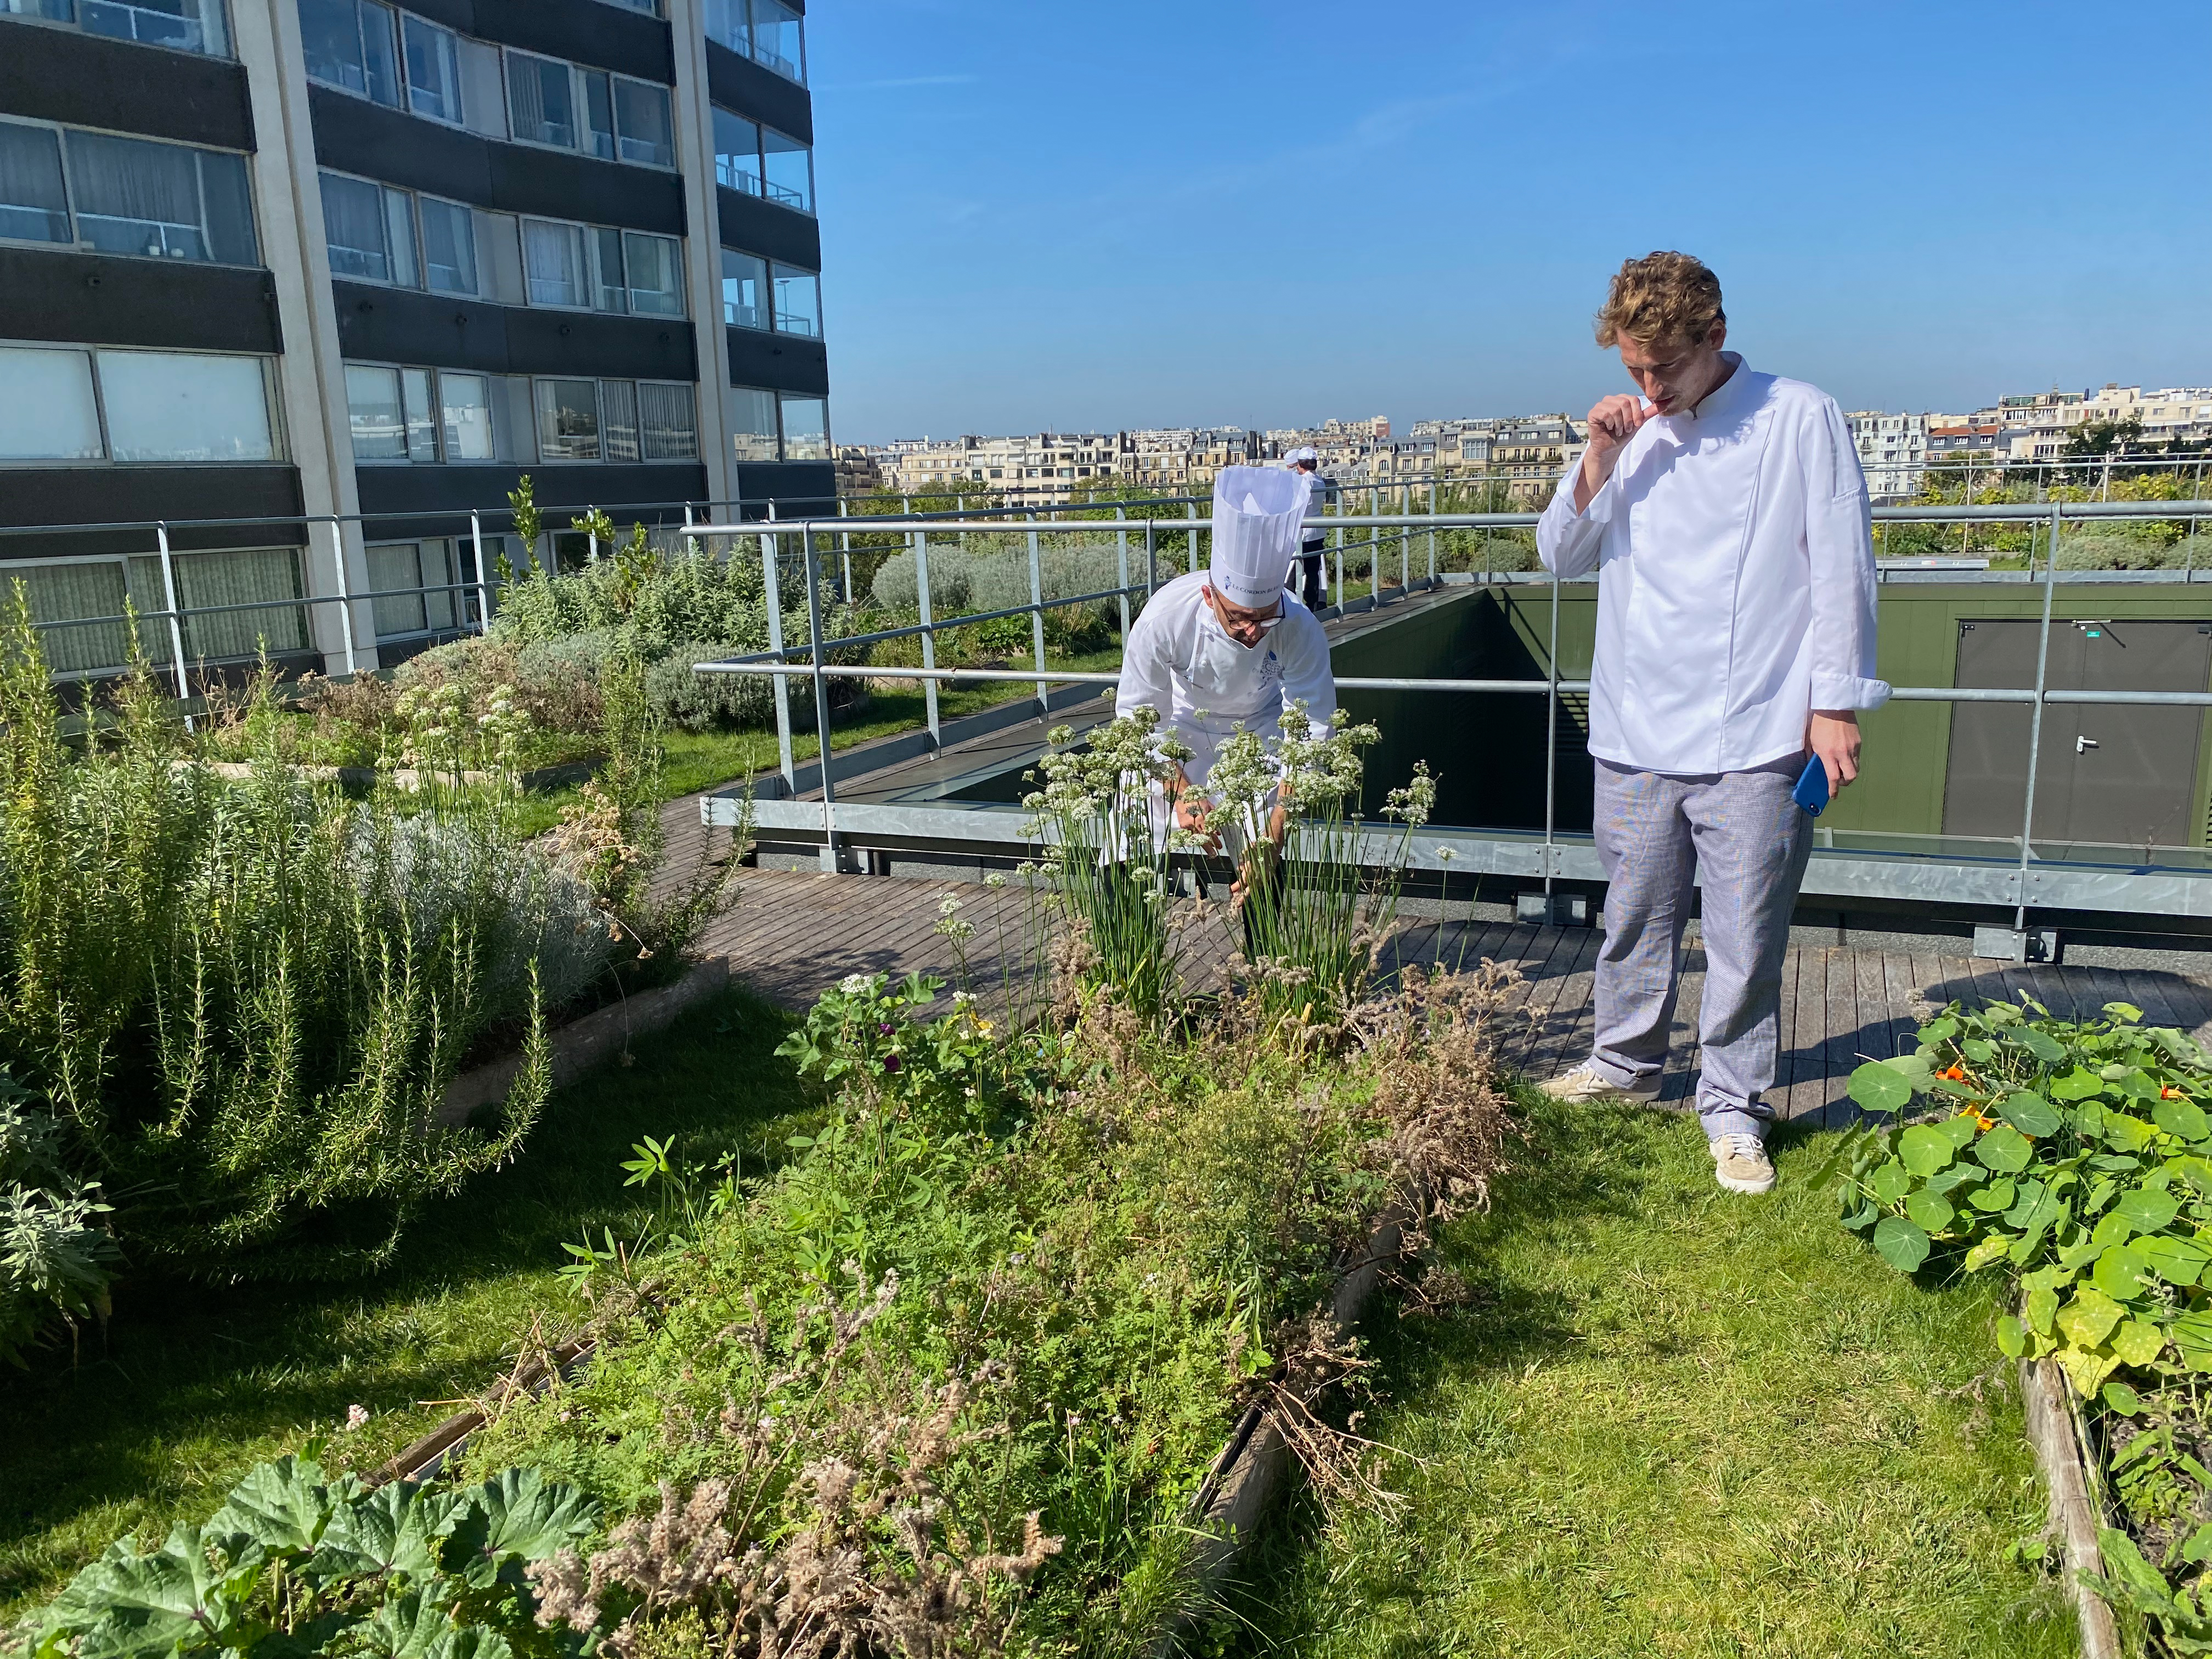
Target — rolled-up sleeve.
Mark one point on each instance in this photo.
(1569, 541)
(1839, 544)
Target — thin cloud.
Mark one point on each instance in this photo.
(903, 81)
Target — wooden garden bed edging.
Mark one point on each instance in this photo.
(583, 1044)
(2062, 1459)
(424, 1459)
(1255, 1463)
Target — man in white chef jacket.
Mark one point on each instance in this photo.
(1313, 545)
(1726, 516)
(1220, 648)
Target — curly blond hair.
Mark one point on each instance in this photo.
(1663, 296)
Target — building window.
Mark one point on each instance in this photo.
(132, 197)
(372, 235)
(351, 45)
(422, 416)
(600, 421)
(761, 161)
(591, 268)
(798, 300)
(184, 24)
(76, 405)
(745, 289)
(753, 435)
(434, 70)
(805, 429)
(769, 31)
(563, 107)
(414, 583)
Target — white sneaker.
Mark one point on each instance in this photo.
(1586, 1083)
(1741, 1163)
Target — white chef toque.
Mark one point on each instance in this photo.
(1303, 452)
(1257, 512)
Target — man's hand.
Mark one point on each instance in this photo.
(1834, 735)
(1612, 421)
(1193, 810)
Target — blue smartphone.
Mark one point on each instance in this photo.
(1812, 790)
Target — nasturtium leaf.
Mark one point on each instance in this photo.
(2088, 1318)
(1995, 1196)
(2012, 1339)
(1890, 1183)
(2150, 1210)
(2137, 1342)
(1959, 1128)
(2138, 1085)
(1991, 1248)
(2086, 1369)
(2113, 1070)
(2113, 1228)
(2040, 1307)
(2004, 1149)
(1930, 1210)
(2124, 1012)
(1977, 1051)
(2192, 1335)
(2197, 1171)
(1862, 1215)
(1942, 1029)
(1958, 1174)
(2176, 1260)
(2031, 1114)
(2130, 1132)
(1900, 1243)
(2119, 1270)
(2001, 1013)
(2120, 1397)
(1881, 1088)
(2080, 1084)
(1922, 1150)
(2044, 1046)
(2081, 1252)
(2185, 1118)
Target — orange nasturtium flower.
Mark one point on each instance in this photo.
(1955, 1073)
(2171, 1094)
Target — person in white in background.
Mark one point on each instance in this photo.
(1218, 649)
(1726, 516)
(1313, 542)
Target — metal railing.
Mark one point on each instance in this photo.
(812, 534)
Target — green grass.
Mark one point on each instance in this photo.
(1676, 1421)
(193, 1385)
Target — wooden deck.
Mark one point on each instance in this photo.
(795, 934)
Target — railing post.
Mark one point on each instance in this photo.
(484, 587)
(345, 599)
(829, 860)
(1037, 621)
(2035, 717)
(774, 594)
(1190, 512)
(591, 537)
(1121, 563)
(928, 633)
(845, 554)
(176, 625)
(1151, 558)
(1551, 751)
(1432, 533)
(1404, 541)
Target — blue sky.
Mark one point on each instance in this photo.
(1042, 214)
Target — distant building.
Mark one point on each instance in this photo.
(1893, 451)
(1530, 453)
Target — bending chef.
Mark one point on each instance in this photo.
(1218, 649)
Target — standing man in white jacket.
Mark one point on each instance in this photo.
(1726, 516)
(1314, 544)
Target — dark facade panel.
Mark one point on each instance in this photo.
(582, 31)
(762, 228)
(101, 300)
(355, 135)
(740, 84)
(806, 486)
(112, 495)
(443, 495)
(782, 363)
(88, 80)
(395, 325)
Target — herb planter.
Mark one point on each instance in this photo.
(2062, 1459)
(585, 1042)
(1255, 1463)
(362, 777)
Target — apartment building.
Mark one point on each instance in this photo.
(1531, 453)
(1050, 468)
(2036, 427)
(284, 261)
(1893, 451)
